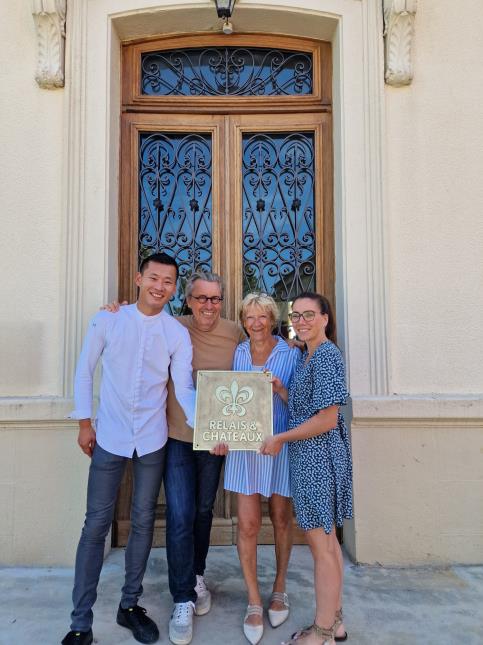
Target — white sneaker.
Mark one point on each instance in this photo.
(181, 623)
(203, 602)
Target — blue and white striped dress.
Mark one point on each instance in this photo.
(246, 471)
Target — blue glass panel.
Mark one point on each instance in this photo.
(278, 214)
(175, 194)
(226, 71)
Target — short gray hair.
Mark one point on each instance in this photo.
(207, 276)
(262, 300)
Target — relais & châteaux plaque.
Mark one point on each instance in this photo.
(233, 408)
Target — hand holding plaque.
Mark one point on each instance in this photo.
(233, 408)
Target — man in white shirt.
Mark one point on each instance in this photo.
(140, 346)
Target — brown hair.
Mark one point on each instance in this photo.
(324, 308)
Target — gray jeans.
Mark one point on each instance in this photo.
(105, 475)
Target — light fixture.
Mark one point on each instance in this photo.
(227, 27)
(224, 8)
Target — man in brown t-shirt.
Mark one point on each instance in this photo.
(191, 477)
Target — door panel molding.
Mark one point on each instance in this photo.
(320, 125)
(132, 126)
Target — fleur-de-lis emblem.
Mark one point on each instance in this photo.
(234, 398)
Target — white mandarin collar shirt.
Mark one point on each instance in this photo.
(139, 353)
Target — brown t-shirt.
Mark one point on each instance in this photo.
(212, 350)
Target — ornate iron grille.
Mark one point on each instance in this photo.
(226, 71)
(278, 214)
(175, 201)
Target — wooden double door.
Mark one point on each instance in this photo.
(238, 185)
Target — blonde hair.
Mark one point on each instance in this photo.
(262, 300)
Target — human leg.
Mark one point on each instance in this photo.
(147, 476)
(105, 474)
(327, 583)
(340, 631)
(208, 469)
(180, 489)
(280, 509)
(249, 523)
(327, 590)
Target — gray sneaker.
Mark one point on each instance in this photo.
(203, 602)
(181, 623)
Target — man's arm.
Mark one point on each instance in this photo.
(92, 347)
(182, 376)
(86, 437)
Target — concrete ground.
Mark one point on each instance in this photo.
(383, 606)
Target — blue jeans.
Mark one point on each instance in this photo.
(105, 475)
(190, 482)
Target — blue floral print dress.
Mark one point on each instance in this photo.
(320, 467)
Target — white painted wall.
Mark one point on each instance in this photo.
(43, 484)
(418, 457)
(435, 205)
(30, 196)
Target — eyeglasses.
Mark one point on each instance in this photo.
(306, 315)
(215, 300)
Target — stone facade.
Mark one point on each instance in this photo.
(408, 199)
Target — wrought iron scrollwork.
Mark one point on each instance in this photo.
(278, 214)
(175, 193)
(226, 71)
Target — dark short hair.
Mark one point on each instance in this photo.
(324, 308)
(160, 258)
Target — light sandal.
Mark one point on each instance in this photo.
(327, 634)
(278, 616)
(339, 619)
(253, 633)
(301, 632)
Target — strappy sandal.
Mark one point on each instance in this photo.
(253, 633)
(339, 619)
(327, 634)
(278, 616)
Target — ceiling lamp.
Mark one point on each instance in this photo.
(224, 8)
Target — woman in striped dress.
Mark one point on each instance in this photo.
(251, 475)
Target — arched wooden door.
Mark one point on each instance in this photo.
(226, 163)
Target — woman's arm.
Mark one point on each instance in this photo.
(321, 422)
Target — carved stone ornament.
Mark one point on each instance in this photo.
(399, 18)
(49, 19)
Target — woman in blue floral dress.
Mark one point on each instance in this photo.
(320, 459)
